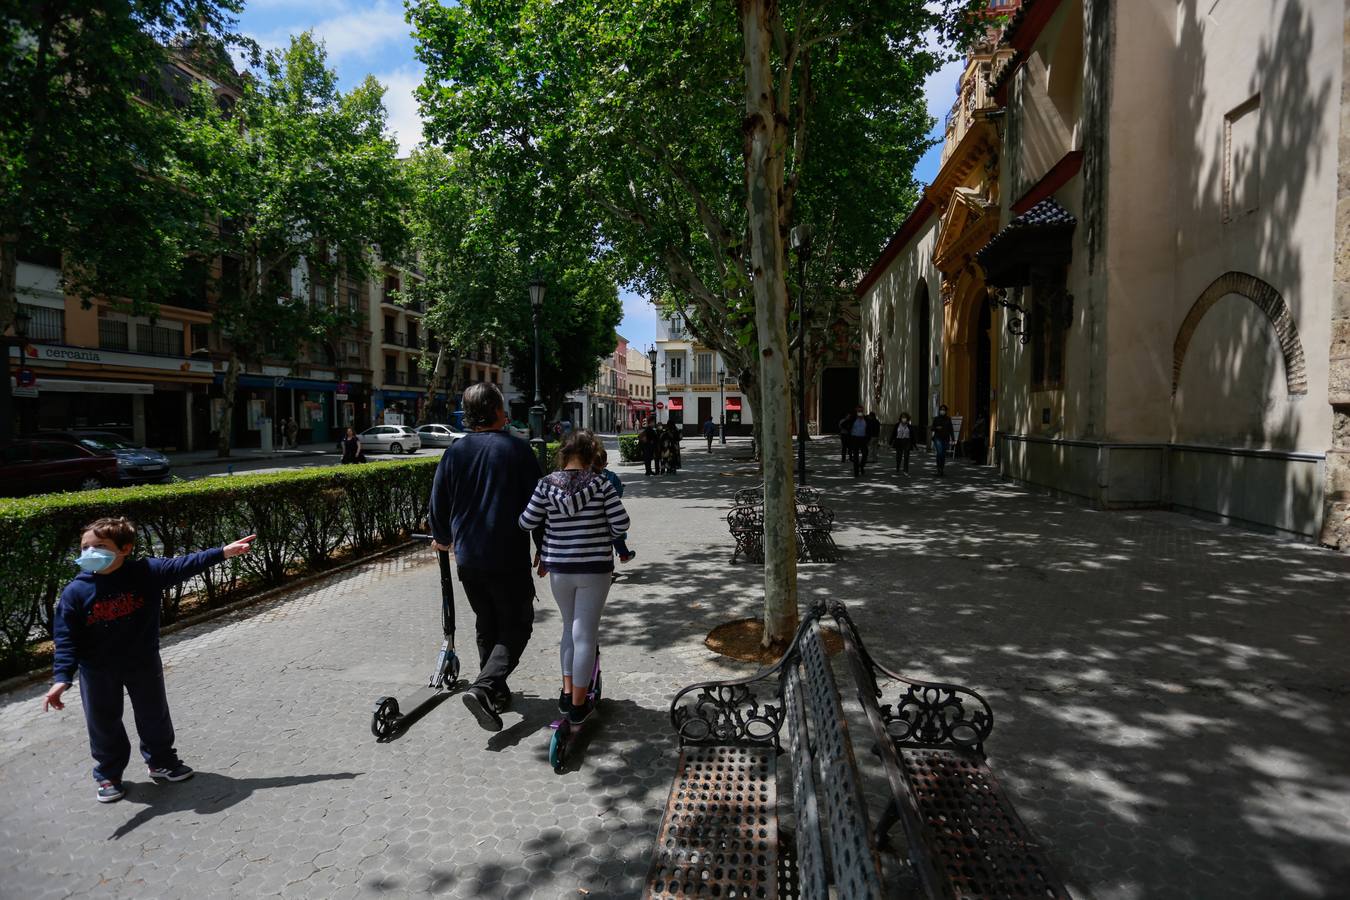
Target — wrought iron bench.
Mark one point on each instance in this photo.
(720, 836)
(746, 524)
(814, 525)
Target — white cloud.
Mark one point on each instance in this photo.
(404, 120)
(349, 34)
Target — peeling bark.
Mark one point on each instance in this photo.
(765, 139)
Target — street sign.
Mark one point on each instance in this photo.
(660, 405)
(25, 377)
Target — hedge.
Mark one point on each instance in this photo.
(302, 519)
(628, 448)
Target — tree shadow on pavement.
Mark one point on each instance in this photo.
(207, 793)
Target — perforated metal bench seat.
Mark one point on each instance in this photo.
(977, 843)
(719, 837)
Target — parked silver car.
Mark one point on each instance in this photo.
(438, 435)
(390, 439)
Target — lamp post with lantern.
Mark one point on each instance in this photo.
(537, 288)
(800, 238)
(722, 399)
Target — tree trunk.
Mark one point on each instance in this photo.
(227, 410)
(9, 305)
(764, 146)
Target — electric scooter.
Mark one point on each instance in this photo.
(565, 734)
(388, 719)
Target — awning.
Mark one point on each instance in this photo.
(65, 386)
(676, 404)
(1040, 237)
(733, 404)
(639, 404)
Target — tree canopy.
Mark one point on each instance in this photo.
(480, 239)
(307, 192)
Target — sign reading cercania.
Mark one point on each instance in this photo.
(60, 355)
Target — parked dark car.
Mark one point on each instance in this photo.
(135, 464)
(41, 466)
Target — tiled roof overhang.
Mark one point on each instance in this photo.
(1041, 236)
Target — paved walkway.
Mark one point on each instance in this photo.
(1170, 701)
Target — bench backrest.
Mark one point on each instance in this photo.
(834, 838)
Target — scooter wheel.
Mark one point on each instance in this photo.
(451, 670)
(385, 720)
(557, 751)
(598, 688)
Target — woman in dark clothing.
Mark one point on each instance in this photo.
(903, 442)
(351, 448)
(943, 432)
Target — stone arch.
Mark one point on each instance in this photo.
(1271, 304)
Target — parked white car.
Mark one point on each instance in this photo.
(438, 435)
(390, 439)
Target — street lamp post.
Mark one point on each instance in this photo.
(801, 242)
(722, 399)
(651, 357)
(537, 410)
(19, 340)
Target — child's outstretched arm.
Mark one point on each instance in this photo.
(64, 623)
(180, 568)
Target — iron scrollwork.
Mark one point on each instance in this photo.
(1017, 325)
(725, 713)
(927, 714)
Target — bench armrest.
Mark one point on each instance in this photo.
(745, 712)
(931, 714)
(925, 714)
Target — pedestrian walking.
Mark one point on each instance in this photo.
(581, 516)
(601, 467)
(709, 432)
(482, 485)
(106, 628)
(649, 444)
(902, 440)
(942, 432)
(856, 429)
(873, 436)
(293, 433)
(351, 448)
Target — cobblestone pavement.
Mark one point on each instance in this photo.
(1170, 700)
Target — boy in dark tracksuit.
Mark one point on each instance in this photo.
(106, 626)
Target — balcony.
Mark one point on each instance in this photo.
(45, 324)
(396, 378)
(396, 338)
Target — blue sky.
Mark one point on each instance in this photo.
(372, 38)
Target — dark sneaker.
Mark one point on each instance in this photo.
(110, 792)
(564, 702)
(502, 702)
(179, 772)
(628, 557)
(480, 704)
(579, 714)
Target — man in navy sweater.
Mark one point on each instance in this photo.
(106, 625)
(482, 485)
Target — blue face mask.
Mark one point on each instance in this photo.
(95, 559)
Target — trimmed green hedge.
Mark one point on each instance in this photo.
(628, 448)
(302, 519)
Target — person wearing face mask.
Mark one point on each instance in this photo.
(106, 628)
(903, 442)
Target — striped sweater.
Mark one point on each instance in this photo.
(581, 515)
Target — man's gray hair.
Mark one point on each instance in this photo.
(482, 402)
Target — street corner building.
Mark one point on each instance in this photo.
(1131, 275)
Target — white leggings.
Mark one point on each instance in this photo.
(581, 598)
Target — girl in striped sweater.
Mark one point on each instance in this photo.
(581, 515)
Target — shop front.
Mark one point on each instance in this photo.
(269, 400)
